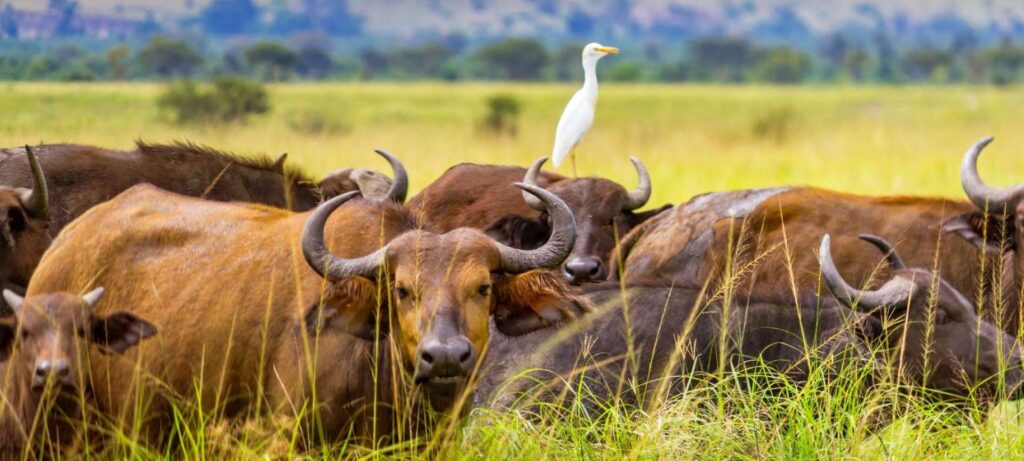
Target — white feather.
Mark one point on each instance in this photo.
(578, 115)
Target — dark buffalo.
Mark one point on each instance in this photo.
(761, 242)
(996, 227)
(24, 228)
(44, 376)
(81, 177)
(479, 196)
(236, 305)
(676, 333)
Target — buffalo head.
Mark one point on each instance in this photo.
(370, 183)
(938, 339)
(24, 226)
(604, 212)
(46, 340)
(439, 291)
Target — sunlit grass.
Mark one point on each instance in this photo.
(693, 139)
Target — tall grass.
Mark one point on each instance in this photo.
(693, 139)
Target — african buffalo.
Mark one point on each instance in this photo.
(236, 306)
(24, 228)
(479, 196)
(761, 241)
(676, 333)
(995, 227)
(81, 177)
(44, 377)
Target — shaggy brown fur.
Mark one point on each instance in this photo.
(781, 235)
(236, 308)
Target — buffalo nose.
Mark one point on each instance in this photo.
(586, 269)
(446, 360)
(58, 369)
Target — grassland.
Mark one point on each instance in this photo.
(694, 139)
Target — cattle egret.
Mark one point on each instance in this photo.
(579, 113)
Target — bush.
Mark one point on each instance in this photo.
(228, 99)
(314, 123)
(774, 125)
(502, 114)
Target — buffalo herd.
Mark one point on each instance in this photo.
(140, 283)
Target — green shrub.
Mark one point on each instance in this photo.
(226, 100)
(502, 114)
(314, 123)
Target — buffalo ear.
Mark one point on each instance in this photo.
(351, 305)
(8, 331)
(868, 327)
(120, 331)
(519, 232)
(636, 219)
(992, 233)
(533, 300)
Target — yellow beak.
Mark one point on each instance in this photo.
(607, 49)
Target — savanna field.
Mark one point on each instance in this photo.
(694, 139)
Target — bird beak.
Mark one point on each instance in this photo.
(607, 49)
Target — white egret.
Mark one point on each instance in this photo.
(579, 113)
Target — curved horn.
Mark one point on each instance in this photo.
(531, 180)
(559, 244)
(37, 200)
(93, 297)
(13, 300)
(979, 193)
(894, 292)
(639, 196)
(314, 248)
(400, 180)
(893, 258)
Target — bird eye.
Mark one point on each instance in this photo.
(484, 289)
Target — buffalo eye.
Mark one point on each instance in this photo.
(484, 290)
(941, 317)
(15, 219)
(402, 293)
(24, 335)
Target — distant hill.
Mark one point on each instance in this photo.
(795, 22)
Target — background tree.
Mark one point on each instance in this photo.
(315, 59)
(855, 64)
(723, 59)
(166, 57)
(514, 59)
(424, 60)
(927, 64)
(271, 60)
(566, 62)
(117, 61)
(781, 65)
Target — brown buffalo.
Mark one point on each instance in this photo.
(236, 305)
(479, 196)
(44, 376)
(761, 242)
(81, 177)
(915, 319)
(24, 228)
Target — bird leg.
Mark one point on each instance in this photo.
(572, 155)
